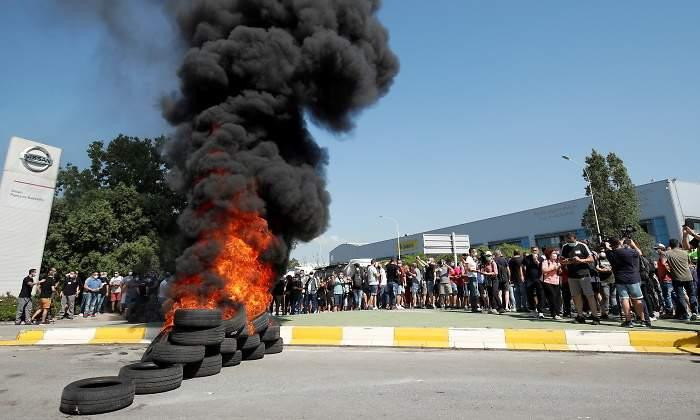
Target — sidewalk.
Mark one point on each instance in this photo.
(416, 329)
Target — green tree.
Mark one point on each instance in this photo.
(117, 214)
(293, 263)
(616, 199)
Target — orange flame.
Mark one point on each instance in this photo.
(246, 278)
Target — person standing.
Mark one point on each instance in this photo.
(678, 264)
(472, 283)
(357, 287)
(312, 285)
(490, 272)
(373, 282)
(115, 291)
(23, 314)
(607, 280)
(104, 290)
(551, 281)
(443, 273)
(577, 258)
(665, 281)
(532, 273)
(392, 286)
(503, 281)
(625, 265)
(92, 286)
(429, 283)
(297, 292)
(515, 265)
(68, 292)
(46, 288)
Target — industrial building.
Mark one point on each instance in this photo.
(664, 206)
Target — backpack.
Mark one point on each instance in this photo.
(357, 280)
(644, 268)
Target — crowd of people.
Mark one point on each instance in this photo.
(576, 281)
(86, 296)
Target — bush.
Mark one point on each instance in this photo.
(8, 306)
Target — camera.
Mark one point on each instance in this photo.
(627, 231)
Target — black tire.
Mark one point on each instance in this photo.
(233, 359)
(197, 318)
(97, 395)
(162, 337)
(167, 354)
(229, 346)
(150, 378)
(261, 322)
(272, 333)
(235, 325)
(254, 354)
(245, 332)
(197, 337)
(274, 347)
(249, 342)
(208, 366)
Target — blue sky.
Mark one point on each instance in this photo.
(490, 94)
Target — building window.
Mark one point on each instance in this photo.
(657, 228)
(523, 242)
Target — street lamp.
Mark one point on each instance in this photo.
(590, 186)
(398, 236)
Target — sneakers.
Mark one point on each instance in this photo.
(534, 314)
(694, 317)
(540, 315)
(580, 319)
(557, 318)
(648, 324)
(605, 316)
(493, 312)
(595, 320)
(627, 324)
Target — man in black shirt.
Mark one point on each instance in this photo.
(392, 282)
(46, 288)
(24, 299)
(515, 265)
(532, 273)
(576, 257)
(68, 292)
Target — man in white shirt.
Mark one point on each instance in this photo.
(382, 286)
(115, 291)
(469, 263)
(373, 281)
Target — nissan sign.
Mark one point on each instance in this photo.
(36, 159)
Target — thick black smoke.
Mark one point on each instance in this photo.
(253, 70)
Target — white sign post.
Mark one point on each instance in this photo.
(26, 195)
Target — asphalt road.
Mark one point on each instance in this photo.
(322, 383)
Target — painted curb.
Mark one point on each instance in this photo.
(452, 338)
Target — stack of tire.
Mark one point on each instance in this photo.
(199, 344)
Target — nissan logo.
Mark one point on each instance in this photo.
(36, 159)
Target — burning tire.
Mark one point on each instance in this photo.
(210, 365)
(249, 342)
(235, 324)
(168, 354)
(261, 322)
(97, 395)
(274, 347)
(255, 353)
(197, 318)
(229, 346)
(272, 333)
(233, 359)
(244, 332)
(150, 378)
(197, 337)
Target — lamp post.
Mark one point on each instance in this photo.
(590, 186)
(398, 236)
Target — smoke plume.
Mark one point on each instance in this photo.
(253, 71)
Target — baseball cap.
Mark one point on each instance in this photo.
(660, 246)
(488, 253)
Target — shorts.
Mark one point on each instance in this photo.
(503, 285)
(338, 300)
(460, 290)
(402, 290)
(45, 303)
(116, 297)
(454, 289)
(429, 287)
(373, 290)
(415, 288)
(445, 289)
(580, 286)
(627, 291)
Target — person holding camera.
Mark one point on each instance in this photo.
(625, 264)
(576, 258)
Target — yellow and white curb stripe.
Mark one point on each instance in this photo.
(453, 338)
(99, 335)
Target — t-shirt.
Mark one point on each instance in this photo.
(297, 286)
(279, 288)
(92, 283)
(430, 272)
(471, 265)
(382, 277)
(392, 273)
(105, 282)
(577, 249)
(338, 287)
(679, 265)
(502, 265)
(162, 289)
(26, 291)
(70, 285)
(533, 272)
(115, 284)
(372, 276)
(625, 265)
(661, 271)
(444, 274)
(45, 288)
(550, 272)
(515, 264)
(606, 276)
